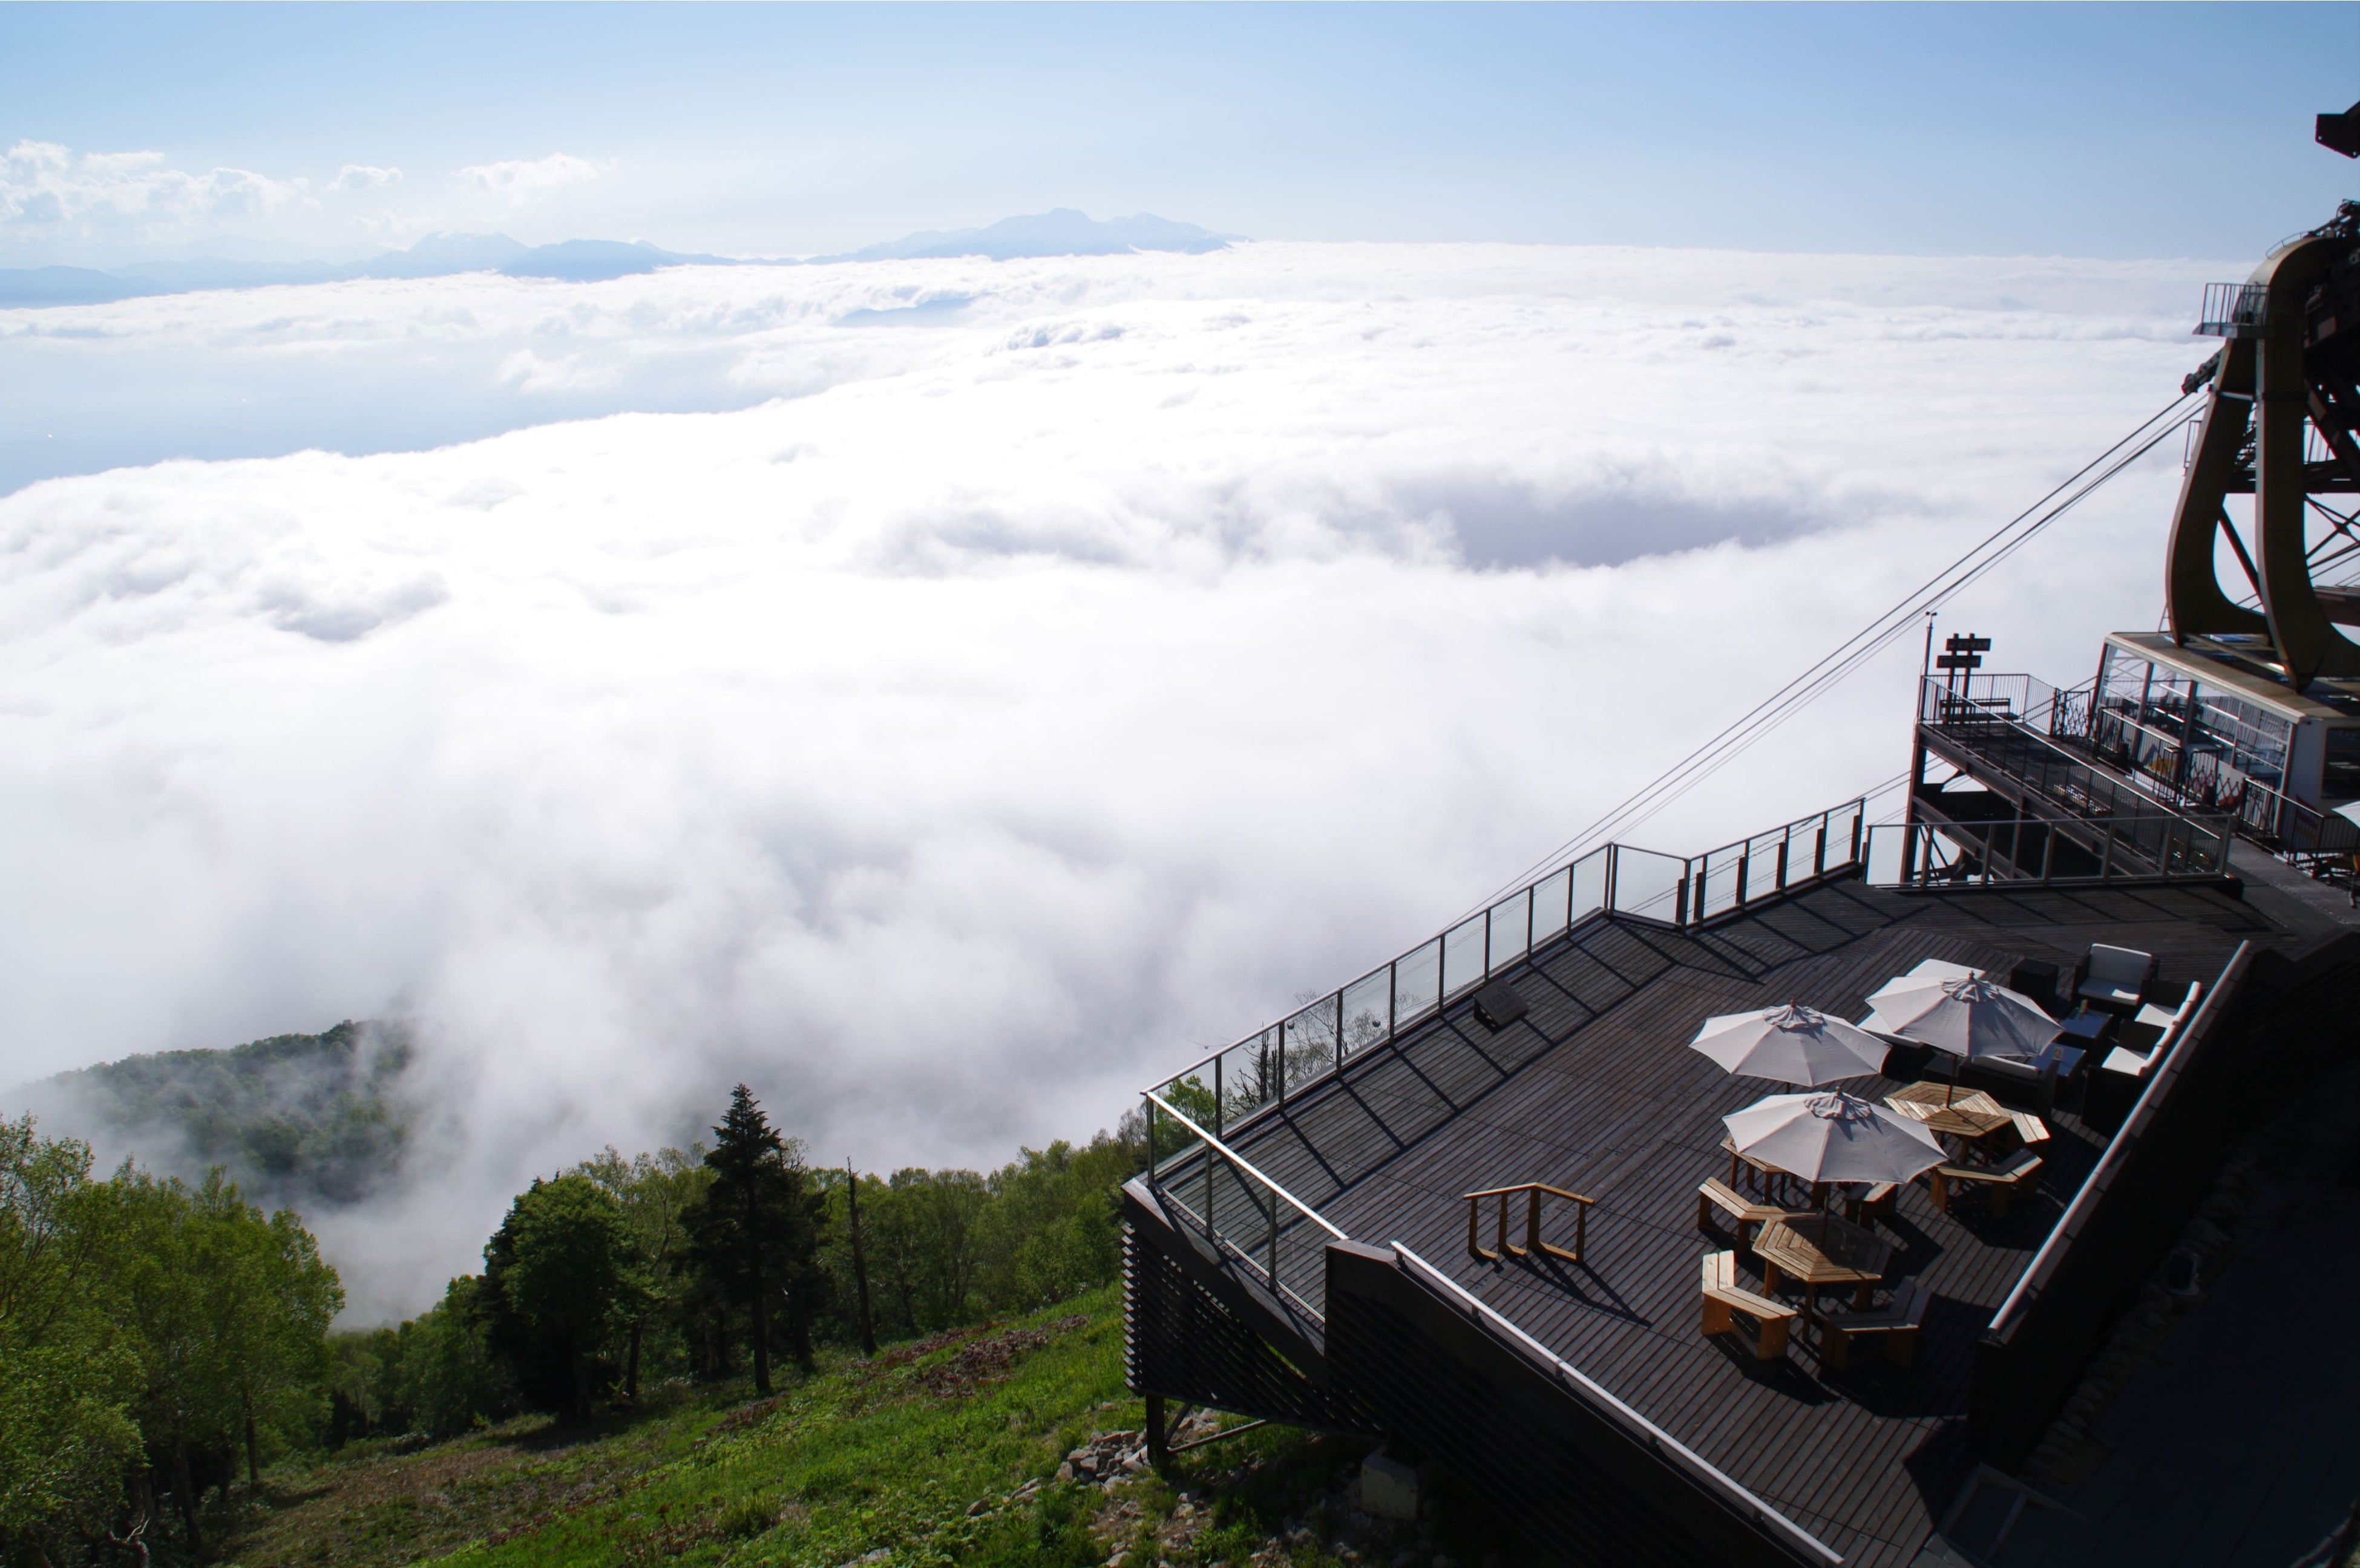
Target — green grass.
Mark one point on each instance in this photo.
(864, 1458)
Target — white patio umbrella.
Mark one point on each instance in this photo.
(1826, 1135)
(1793, 1044)
(1968, 1019)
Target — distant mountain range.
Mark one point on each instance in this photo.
(1064, 232)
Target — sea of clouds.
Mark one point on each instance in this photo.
(1003, 682)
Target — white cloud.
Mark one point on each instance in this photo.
(1021, 699)
(522, 181)
(48, 190)
(361, 177)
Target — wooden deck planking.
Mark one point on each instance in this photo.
(1595, 1091)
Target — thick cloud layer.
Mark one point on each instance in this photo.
(1005, 705)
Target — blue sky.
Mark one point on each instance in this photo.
(2101, 130)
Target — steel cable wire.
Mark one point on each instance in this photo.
(1848, 657)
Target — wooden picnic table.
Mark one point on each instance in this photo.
(1821, 1249)
(1968, 1114)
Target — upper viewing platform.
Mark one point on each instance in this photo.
(1552, 1075)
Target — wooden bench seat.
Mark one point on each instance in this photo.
(1877, 1204)
(1724, 1297)
(1897, 1324)
(2001, 1182)
(1719, 1194)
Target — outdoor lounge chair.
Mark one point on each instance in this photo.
(1896, 1322)
(2001, 1182)
(1719, 1194)
(1724, 1297)
(2118, 978)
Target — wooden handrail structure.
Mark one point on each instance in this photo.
(1534, 1192)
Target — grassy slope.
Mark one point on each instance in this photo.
(878, 1460)
(866, 1454)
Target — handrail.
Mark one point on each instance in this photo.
(1662, 1444)
(1533, 1242)
(1241, 1162)
(1373, 1007)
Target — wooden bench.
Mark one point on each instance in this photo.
(2029, 1129)
(1723, 1298)
(2001, 1181)
(1877, 1204)
(1896, 1322)
(1719, 1194)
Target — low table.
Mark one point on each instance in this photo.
(1968, 1114)
(1821, 1249)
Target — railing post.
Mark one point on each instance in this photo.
(1393, 998)
(1857, 817)
(2106, 862)
(1531, 899)
(1487, 944)
(1680, 899)
(1218, 1096)
(1572, 875)
(1613, 857)
(1210, 1160)
(1533, 1222)
(1820, 850)
(1744, 859)
(1339, 1032)
(1783, 843)
(1154, 1176)
(1273, 1241)
(2048, 851)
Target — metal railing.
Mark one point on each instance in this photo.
(2233, 311)
(1242, 1212)
(2007, 727)
(2165, 765)
(2193, 779)
(1224, 1088)
(1967, 853)
(1594, 1395)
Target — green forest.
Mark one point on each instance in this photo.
(169, 1342)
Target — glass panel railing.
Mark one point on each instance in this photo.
(1589, 883)
(1552, 905)
(1248, 1218)
(1649, 886)
(1512, 931)
(1368, 1011)
(1462, 956)
(1417, 983)
(1311, 1043)
(1881, 852)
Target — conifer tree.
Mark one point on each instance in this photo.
(754, 1234)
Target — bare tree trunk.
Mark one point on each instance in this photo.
(860, 1263)
(631, 1372)
(253, 1463)
(186, 1491)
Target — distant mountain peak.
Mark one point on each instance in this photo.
(1062, 231)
